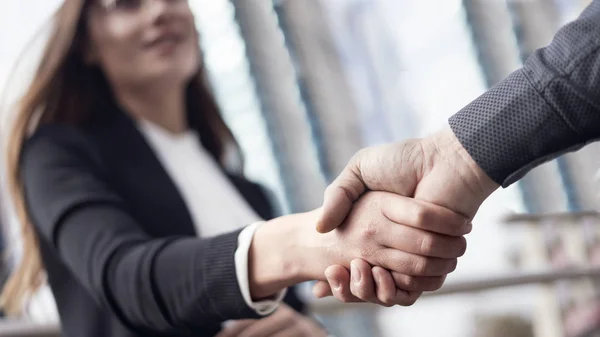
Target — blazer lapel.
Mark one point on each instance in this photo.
(141, 178)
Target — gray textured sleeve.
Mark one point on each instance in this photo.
(548, 107)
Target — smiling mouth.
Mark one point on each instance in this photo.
(166, 42)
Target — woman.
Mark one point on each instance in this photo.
(125, 203)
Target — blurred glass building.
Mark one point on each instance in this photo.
(304, 84)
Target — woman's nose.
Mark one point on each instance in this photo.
(156, 6)
(159, 9)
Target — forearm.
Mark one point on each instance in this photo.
(153, 284)
(548, 107)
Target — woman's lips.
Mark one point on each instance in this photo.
(165, 44)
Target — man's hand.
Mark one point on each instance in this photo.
(436, 169)
(283, 322)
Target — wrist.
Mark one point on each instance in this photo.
(447, 144)
(280, 254)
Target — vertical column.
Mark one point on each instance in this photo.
(318, 65)
(492, 32)
(535, 23)
(286, 117)
(235, 91)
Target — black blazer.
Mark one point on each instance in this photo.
(117, 240)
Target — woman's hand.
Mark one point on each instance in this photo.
(282, 323)
(366, 284)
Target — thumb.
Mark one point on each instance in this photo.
(339, 197)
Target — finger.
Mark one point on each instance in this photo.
(424, 215)
(384, 291)
(362, 285)
(339, 197)
(339, 280)
(417, 283)
(413, 264)
(387, 293)
(385, 287)
(422, 242)
(321, 289)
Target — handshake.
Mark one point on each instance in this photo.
(391, 226)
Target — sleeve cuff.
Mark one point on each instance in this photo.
(510, 129)
(264, 307)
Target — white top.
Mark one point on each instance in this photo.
(214, 203)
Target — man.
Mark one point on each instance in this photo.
(548, 107)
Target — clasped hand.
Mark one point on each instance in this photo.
(401, 247)
(409, 245)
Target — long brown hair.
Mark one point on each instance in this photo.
(62, 90)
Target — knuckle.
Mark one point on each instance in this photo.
(369, 231)
(421, 265)
(422, 216)
(427, 244)
(410, 282)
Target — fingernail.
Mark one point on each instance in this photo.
(355, 273)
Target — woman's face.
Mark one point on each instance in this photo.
(141, 42)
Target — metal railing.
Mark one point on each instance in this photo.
(330, 305)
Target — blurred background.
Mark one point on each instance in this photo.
(345, 74)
